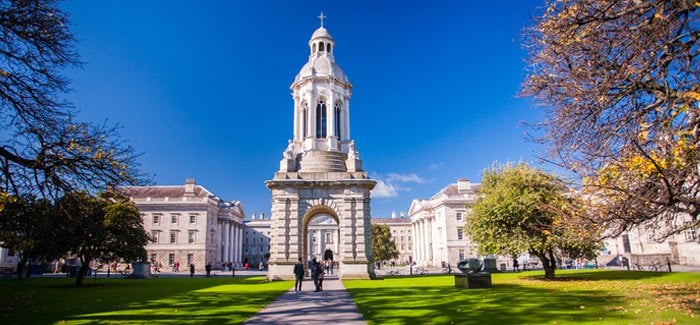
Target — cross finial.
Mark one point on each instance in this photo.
(322, 16)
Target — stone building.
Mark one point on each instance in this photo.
(438, 225)
(256, 240)
(320, 174)
(8, 259)
(189, 225)
(640, 247)
(401, 234)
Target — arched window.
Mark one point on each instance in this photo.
(314, 48)
(321, 119)
(320, 47)
(337, 119)
(305, 119)
(328, 47)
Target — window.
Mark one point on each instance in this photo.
(328, 236)
(328, 47)
(460, 234)
(193, 219)
(190, 258)
(305, 118)
(171, 258)
(10, 252)
(154, 234)
(321, 131)
(154, 257)
(320, 47)
(314, 47)
(403, 247)
(459, 215)
(461, 254)
(173, 237)
(627, 248)
(156, 219)
(691, 233)
(337, 119)
(173, 219)
(191, 236)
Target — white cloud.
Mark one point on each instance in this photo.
(405, 178)
(384, 190)
(434, 166)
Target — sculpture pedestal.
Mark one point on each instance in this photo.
(479, 280)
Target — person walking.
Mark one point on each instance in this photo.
(208, 269)
(515, 265)
(315, 273)
(191, 270)
(320, 276)
(299, 275)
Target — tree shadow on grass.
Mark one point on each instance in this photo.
(168, 300)
(598, 275)
(503, 304)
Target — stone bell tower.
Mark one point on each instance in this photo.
(321, 172)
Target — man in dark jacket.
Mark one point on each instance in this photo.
(299, 274)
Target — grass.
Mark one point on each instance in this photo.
(590, 296)
(162, 300)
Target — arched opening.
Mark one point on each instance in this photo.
(337, 119)
(305, 119)
(321, 119)
(320, 46)
(321, 238)
(329, 48)
(313, 47)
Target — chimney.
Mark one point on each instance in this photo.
(189, 187)
(463, 185)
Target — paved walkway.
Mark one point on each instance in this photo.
(332, 305)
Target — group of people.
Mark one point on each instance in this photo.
(317, 270)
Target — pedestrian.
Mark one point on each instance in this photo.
(299, 275)
(516, 267)
(246, 266)
(208, 269)
(315, 273)
(233, 270)
(320, 276)
(260, 267)
(191, 270)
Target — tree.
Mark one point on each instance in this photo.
(25, 227)
(523, 209)
(619, 82)
(105, 228)
(44, 151)
(383, 247)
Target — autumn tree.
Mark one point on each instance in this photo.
(522, 209)
(619, 83)
(44, 150)
(383, 246)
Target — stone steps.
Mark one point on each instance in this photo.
(323, 161)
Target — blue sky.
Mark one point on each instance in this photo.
(202, 88)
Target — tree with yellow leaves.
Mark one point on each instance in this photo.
(620, 85)
(44, 152)
(522, 209)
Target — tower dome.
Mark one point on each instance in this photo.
(321, 62)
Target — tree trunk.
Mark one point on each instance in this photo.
(79, 277)
(548, 263)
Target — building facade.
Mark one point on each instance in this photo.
(189, 225)
(320, 174)
(437, 225)
(401, 234)
(8, 259)
(256, 241)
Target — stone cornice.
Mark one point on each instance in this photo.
(328, 79)
(302, 183)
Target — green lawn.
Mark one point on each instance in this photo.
(159, 300)
(590, 296)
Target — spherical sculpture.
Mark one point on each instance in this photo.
(470, 265)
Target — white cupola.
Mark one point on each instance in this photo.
(321, 93)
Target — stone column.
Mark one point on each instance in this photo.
(413, 237)
(431, 244)
(240, 247)
(227, 241)
(234, 242)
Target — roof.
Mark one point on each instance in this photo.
(321, 33)
(392, 221)
(164, 191)
(321, 66)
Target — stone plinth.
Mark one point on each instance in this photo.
(479, 280)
